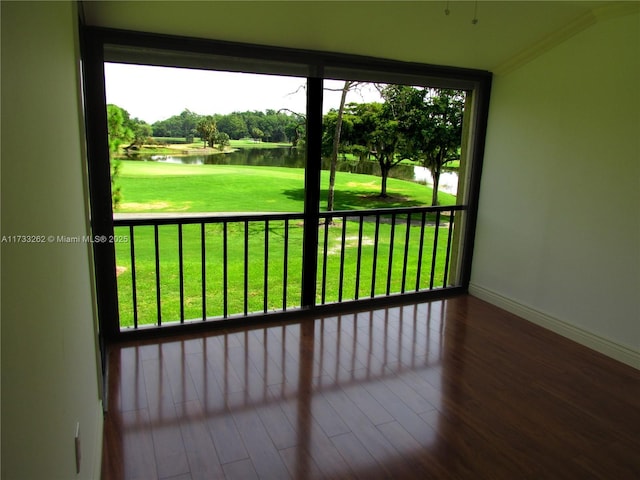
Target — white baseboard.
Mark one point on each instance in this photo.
(584, 337)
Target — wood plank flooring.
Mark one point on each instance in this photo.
(451, 389)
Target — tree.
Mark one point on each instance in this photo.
(256, 134)
(223, 141)
(118, 133)
(188, 122)
(384, 140)
(183, 125)
(358, 118)
(432, 128)
(443, 139)
(336, 144)
(295, 127)
(141, 132)
(118, 130)
(169, 127)
(208, 131)
(233, 125)
(376, 131)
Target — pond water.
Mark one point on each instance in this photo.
(294, 158)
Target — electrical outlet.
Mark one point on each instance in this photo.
(77, 445)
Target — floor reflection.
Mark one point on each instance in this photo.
(331, 397)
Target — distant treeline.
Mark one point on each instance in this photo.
(269, 126)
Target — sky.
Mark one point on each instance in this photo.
(157, 93)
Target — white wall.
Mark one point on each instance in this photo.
(49, 373)
(558, 237)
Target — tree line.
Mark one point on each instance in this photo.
(269, 126)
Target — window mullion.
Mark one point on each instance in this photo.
(312, 190)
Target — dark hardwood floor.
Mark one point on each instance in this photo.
(451, 389)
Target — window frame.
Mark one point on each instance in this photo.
(100, 45)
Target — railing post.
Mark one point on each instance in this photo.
(312, 191)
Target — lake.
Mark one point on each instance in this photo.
(295, 158)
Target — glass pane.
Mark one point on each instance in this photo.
(202, 141)
(389, 145)
(213, 145)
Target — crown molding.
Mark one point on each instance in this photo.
(593, 16)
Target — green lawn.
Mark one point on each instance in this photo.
(158, 187)
(166, 187)
(250, 143)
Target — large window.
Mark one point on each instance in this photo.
(360, 185)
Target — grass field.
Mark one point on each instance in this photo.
(158, 187)
(250, 143)
(165, 187)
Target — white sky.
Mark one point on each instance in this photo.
(157, 93)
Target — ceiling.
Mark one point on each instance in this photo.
(507, 34)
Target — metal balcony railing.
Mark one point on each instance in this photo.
(183, 268)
